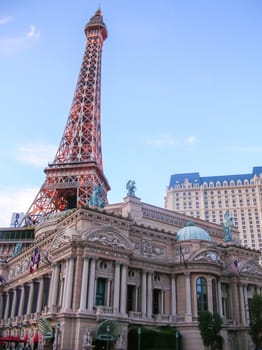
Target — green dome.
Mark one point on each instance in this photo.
(190, 231)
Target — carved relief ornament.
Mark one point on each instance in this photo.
(65, 236)
(251, 268)
(208, 255)
(109, 238)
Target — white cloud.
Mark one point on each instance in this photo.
(169, 141)
(165, 141)
(36, 154)
(246, 149)
(5, 20)
(33, 32)
(12, 45)
(192, 140)
(15, 200)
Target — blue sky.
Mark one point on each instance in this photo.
(181, 91)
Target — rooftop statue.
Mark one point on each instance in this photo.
(227, 226)
(88, 340)
(98, 197)
(131, 188)
(18, 247)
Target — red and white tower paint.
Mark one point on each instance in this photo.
(77, 168)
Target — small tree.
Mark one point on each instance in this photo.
(210, 325)
(255, 330)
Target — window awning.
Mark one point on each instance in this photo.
(108, 330)
(11, 338)
(45, 327)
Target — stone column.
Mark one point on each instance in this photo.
(246, 304)
(108, 290)
(22, 301)
(40, 295)
(7, 305)
(61, 290)
(173, 295)
(123, 290)
(69, 284)
(30, 298)
(54, 285)
(1, 305)
(242, 305)
(78, 276)
(149, 295)
(116, 288)
(14, 303)
(51, 288)
(210, 294)
(188, 315)
(91, 290)
(65, 285)
(162, 311)
(144, 293)
(83, 298)
(235, 302)
(136, 299)
(219, 297)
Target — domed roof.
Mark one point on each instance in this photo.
(190, 231)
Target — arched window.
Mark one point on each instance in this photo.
(156, 301)
(100, 291)
(201, 290)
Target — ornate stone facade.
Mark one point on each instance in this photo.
(93, 274)
(106, 264)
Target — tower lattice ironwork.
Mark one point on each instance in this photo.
(77, 168)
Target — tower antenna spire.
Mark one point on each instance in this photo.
(77, 168)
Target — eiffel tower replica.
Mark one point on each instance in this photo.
(76, 178)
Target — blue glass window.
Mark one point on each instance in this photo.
(201, 290)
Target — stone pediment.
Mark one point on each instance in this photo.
(250, 267)
(19, 268)
(109, 237)
(63, 237)
(208, 255)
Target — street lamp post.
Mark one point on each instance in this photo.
(57, 336)
(9, 332)
(9, 328)
(177, 340)
(139, 331)
(20, 325)
(107, 340)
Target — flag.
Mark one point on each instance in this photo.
(37, 257)
(31, 265)
(234, 267)
(34, 260)
(2, 280)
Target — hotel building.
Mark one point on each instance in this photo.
(208, 198)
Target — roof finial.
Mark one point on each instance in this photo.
(99, 8)
(99, 12)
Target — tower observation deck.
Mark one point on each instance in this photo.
(77, 168)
